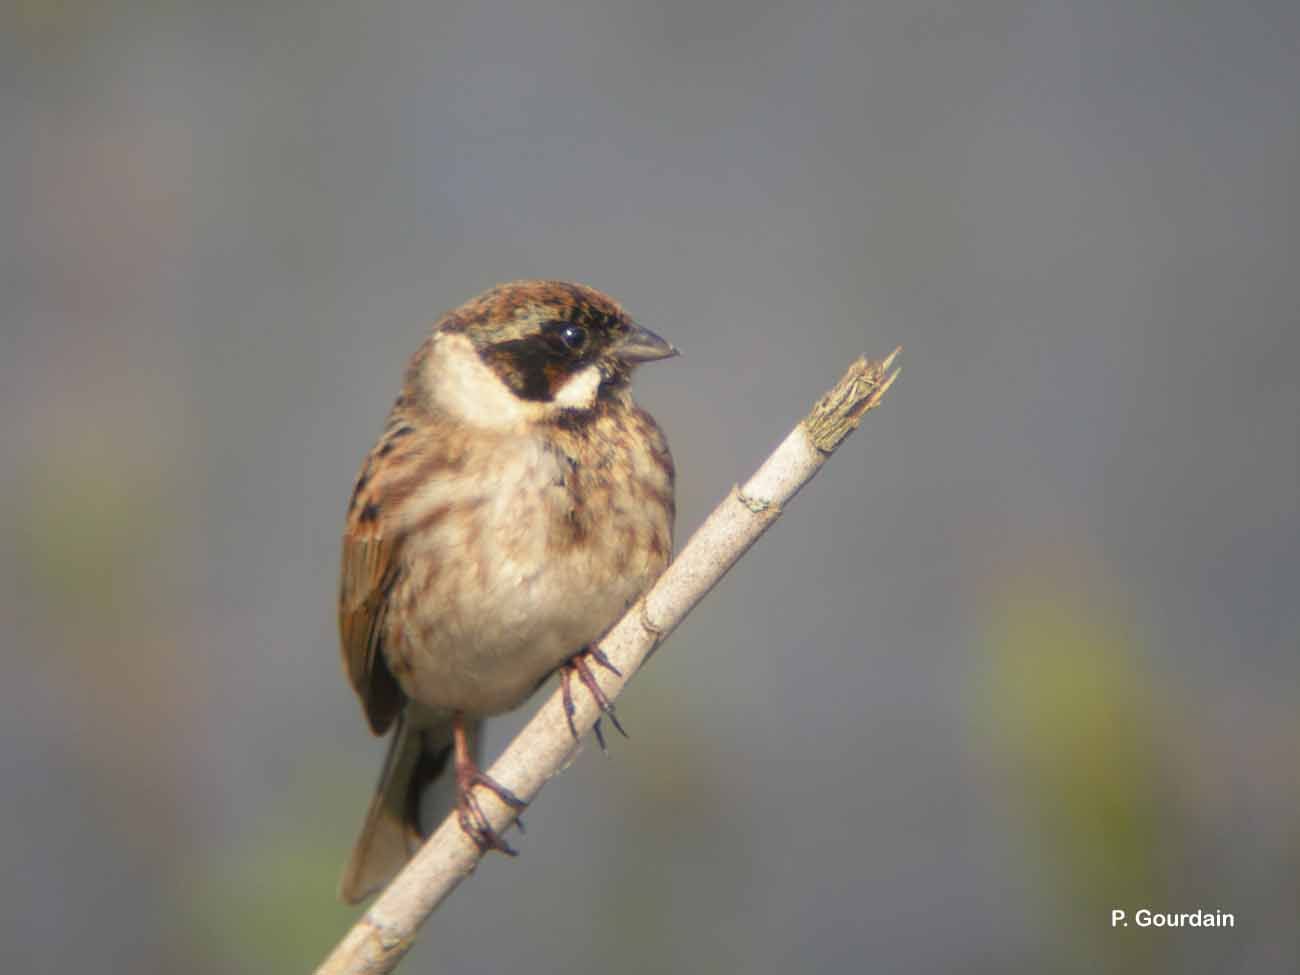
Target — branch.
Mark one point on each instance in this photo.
(387, 930)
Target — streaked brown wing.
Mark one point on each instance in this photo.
(369, 571)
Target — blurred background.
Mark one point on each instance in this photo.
(1026, 651)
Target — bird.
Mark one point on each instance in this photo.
(516, 504)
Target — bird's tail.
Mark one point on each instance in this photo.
(419, 754)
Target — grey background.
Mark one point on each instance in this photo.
(1025, 652)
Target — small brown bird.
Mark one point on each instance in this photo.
(516, 504)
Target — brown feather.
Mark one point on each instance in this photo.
(369, 572)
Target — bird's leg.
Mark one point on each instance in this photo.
(578, 664)
(468, 775)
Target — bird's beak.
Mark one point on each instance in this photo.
(642, 345)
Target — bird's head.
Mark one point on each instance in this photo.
(554, 346)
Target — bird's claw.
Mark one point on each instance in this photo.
(470, 813)
(577, 664)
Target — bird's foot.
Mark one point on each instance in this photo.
(475, 822)
(579, 664)
(469, 812)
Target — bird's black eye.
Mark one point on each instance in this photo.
(573, 336)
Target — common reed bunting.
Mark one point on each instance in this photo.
(517, 502)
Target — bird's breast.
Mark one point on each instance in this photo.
(530, 552)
